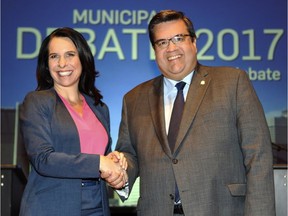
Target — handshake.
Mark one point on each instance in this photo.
(113, 169)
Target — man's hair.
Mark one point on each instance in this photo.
(166, 16)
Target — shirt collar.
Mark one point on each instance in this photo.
(169, 84)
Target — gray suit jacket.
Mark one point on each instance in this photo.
(223, 158)
(53, 146)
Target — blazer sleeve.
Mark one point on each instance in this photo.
(125, 145)
(257, 150)
(51, 139)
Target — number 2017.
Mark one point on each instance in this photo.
(203, 52)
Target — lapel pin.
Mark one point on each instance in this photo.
(202, 82)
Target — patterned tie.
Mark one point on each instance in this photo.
(176, 115)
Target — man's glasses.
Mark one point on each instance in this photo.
(163, 43)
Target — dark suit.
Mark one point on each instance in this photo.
(53, 146)
(223, 157)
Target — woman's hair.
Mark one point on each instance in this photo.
(87, 79)
(170, 15)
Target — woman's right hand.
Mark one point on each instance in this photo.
(112, 168)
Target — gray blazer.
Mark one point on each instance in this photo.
(223, 158)
(53, 146)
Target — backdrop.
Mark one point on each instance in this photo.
(251, 35)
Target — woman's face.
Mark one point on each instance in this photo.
(64, 63)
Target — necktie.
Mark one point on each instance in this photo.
(176, 115)
(175, 122)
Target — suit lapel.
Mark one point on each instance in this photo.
(196, 93)
(156, 104)
(97, 112)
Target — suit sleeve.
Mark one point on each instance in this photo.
(126, 145)
(257, 150)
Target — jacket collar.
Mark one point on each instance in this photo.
(196, 93)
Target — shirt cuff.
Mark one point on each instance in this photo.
(124, 192)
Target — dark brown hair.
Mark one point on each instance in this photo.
(89, 73)
(170, 15)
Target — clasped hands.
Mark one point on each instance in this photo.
(113, 169)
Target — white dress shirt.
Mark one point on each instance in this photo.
(170, 92)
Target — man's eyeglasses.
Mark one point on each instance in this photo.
(163, 43)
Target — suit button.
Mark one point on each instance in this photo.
(174, 161)
(171, 196)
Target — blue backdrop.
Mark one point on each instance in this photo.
(251, 35)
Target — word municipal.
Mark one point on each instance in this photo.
(101, 17)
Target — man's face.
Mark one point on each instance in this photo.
(176, 60)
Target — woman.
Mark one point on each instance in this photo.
(65, 127)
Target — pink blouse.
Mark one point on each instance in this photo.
(93, 136)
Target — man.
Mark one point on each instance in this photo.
(222, 158)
